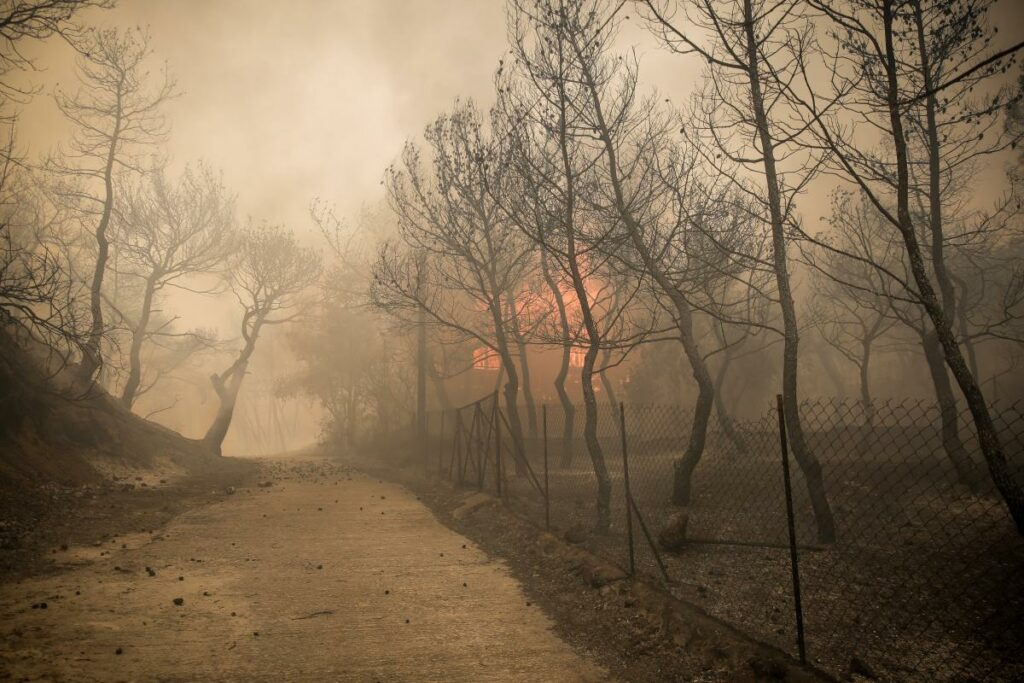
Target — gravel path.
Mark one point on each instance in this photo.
(324, 576)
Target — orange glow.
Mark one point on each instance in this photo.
(485, 359)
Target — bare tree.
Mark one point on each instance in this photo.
(30, 20)
(115, 113)
(271, 274)
(890, 58)
(38, 298)
(852, 309)
(553, 162)
(752, 49)
(168, 233)
(460, 258)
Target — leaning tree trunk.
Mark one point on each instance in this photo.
(568, 409)
(864, 370)
(684, 467)
(131, 385)
(725, 420)
(511, 389)
(437, 380)
(606, 383)
(805, 459)
(867, 404)
(705, 401)
(92, 358)
(602, 521)
(227, 393)
(568, 412)
(949, 413)
(524, 365)
(604, 485)
(988, 437)
(227, 385)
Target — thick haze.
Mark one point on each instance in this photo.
(314, 98)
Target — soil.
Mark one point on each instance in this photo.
(38, 522)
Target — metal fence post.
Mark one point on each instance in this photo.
(497, 449)
(547, 493)
(440, 447)
(426, 445)
(793, 556)
(457, 453)
(628, 493)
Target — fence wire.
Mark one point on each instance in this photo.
(923, 582)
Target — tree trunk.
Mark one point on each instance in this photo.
(227, 393)
(725, 420)
(511, 389)
(806, 460)
(606, 384)
(131, 385)
(524, 364)
(568, 409)
(92, 357)
(952, 443)
(685, 466)
(602, 521)
(604, 485)
(440, 390)
(864, 375)
(228, 383)
(988, 438)
(421, 385)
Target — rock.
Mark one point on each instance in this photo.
(599, 573)
(230, 490)
(577, 533)
(548, 543)
(673, 536)
(767, 669)
(471, 504)
(265, 484)
(118, 651)
(858, 667)
(179, 601)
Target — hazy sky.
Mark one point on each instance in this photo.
(313, 98)
(302, 99)
(296, 99)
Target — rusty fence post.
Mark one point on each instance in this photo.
(457, 452)
(794, 560)
(497, 449)
(547, 491)
(440, 447)
(426, 445)
(628, 493)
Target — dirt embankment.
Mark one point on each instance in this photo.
(76, 467)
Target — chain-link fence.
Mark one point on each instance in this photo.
(924, 580)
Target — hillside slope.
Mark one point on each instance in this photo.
(50, 435)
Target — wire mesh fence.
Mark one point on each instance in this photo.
(924, 580)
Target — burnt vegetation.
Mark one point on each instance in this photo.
(813, 243)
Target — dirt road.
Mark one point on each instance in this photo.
(324, 576)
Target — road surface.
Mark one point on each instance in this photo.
(326, 575)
